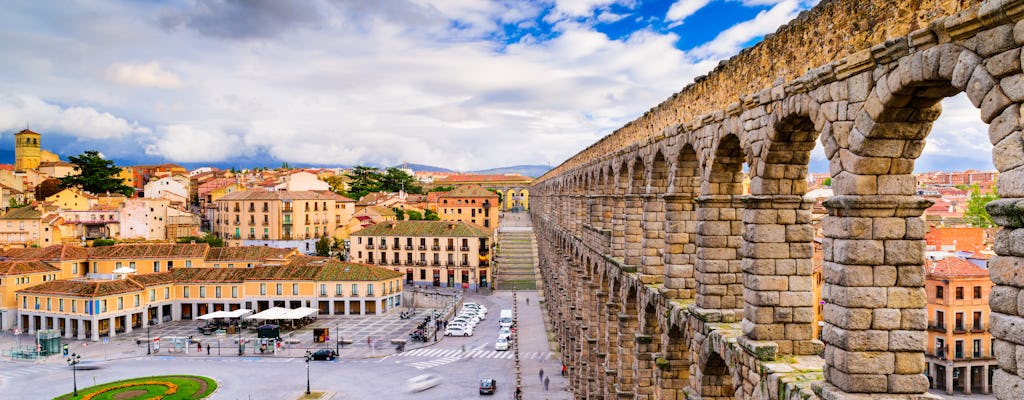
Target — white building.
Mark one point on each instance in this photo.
(174, 188)
(302, 181)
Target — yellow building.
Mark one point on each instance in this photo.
(280, 218)
(175, 282)
(472, 204)
(432, 253)
(26, 150)
(72, 200)
(30, 226)
(959, 351)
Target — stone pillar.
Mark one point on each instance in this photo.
(67, 327)
(330, 307)
(626, 385)
(949, 379)
(31, 323)
(1006, 270)
(718, 266)
(619, 227)
(652, 270)
(112, 326)
(968, 370)
(874, 314)
(984, 379)
(612, 359)
(601, 334)
(95, 330)
(362, 307)
(777, 251)
(81, 329)
(648, 344)
(128, 323)
(633, 230)
(159, 315)
(680, 246)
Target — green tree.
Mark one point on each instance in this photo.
(445, 188)
(414, 215)
(399, 213)
(394, 179)
(976, 214)
(827, 182)
(209, 238)
(323, 247)
(47, 188)
(95, 175)
(431, 215)
(501, 196)
(362, 180)
(15, 204)
(337, 182)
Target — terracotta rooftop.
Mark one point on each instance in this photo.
(954, 266)
(425, 228)
(136, 251)
(279, 195)
(246, 253)
(210, 275)
(25, 267)
(484, 178)
(22, 213)
(160, 278)
(469, 191)
(58, 252)
(85, 288)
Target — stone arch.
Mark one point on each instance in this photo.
(653, 221)
(719, 231)
(681, 225)
(672, 368)
(648, 346)
(628, 325)
(716, 380)
(633, 213)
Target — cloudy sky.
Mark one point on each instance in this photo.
(463, 84)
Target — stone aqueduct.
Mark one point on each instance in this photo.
(664, 281)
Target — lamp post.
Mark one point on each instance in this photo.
(309, 356)
(149, 342)
(241, 348)
(337, 339)
(73, 361)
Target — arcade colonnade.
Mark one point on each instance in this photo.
(665, 280)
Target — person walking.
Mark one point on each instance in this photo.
(546, 382)
(207, 349)
(200, 345)
(527, 301)
(542, 374)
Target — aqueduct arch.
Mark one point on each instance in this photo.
(693, 287)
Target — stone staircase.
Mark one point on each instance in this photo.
(515, 260)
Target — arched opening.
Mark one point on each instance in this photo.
(648, 345)
(634, 215)
(628, 328)
(653, 224)
(716, 380)
(673, 368)
(617, 216)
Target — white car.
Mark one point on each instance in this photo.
(423, 382)
(461, 324)
(477, 313)
(470, 318)
(504, 333)
(458, 331)
(501, 344)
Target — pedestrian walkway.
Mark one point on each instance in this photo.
(515, 262)
(428, 352)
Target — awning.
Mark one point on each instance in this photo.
(124, 270)
(283, 313)
(226, 314)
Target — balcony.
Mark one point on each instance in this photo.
(937, 328)
(408, 262)
(236, 236)
(422, 247)
(435, 263)
(265, 223)
(286, 236)
(959, 329)
(408, 247)
(450, 248)
(450, 263)
(251, 236)
(421, 262)
(287, 209)
(465, 248)
(978, 328)
(237, 222)
(465, 263)
(435, 248)
(287, 222)
(383, 246)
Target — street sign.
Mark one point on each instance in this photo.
(65, 349)
(106, 340)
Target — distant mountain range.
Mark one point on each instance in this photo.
(532, 171)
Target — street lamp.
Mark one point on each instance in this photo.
(309, 356)
(73, 361)
(337, 339)
(241, 347)
(149, 342)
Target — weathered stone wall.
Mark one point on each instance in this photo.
(831, 31)
(687, 272)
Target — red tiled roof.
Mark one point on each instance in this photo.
(246, 253)
(210, 275)
(83, 288)
(469, 191)
(136, 251)
(25, 267)
(955, 266)
(58, 252)
(160, 278)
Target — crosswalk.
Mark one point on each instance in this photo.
(475, 353)
(13, 371)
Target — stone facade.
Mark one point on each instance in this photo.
(666, 281)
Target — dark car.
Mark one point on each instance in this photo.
(487, 386)
(324, 354)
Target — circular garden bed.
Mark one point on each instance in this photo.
(167, 387)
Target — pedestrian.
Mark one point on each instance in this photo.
(546, 382)
(207, 349)
(200, 345)
(563, 371)
(542, 374)
(527, 301)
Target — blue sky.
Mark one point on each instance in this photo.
(462, 84)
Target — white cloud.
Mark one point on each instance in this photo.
(958, 134)
(146, 75)
(184, 143)
(684, 8)
(580, 8)
(731, 40)
(17, 111)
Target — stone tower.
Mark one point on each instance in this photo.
(26, 150)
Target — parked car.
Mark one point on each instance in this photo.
(467, 318)
(324, 355)
(423, 382)
(475, 313)
(505, 333)
(501, 344)
(488, 385)
(90, 364)
(458, 331)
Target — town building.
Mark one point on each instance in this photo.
(430, 253)
(174, 188)
(87, 293)
(959, 353)
(471, 203)
(280, 218)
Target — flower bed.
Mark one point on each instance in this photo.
(172, 387)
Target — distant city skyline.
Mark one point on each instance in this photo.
(458, 85)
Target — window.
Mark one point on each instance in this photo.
(939, 292)
(959, 293)
(337, 290)
(131, 264)
(977, 322)
(188, 263)
(279, 289)
(120, 303)
(167, 293)
(152, 294)
(295, 289)
(263, 288)
(74, 269)
(976, 350)
(959, 321)
(977, 292)
(137, 300)
(369, 289)
(117, 265)
(60, 305)
(24, 302)
(959, 349)
(170, 265)
(355, 289)
(202, 292)
(74, 306)
(48, 302)
(323, 289)
(103, 306)
(156, 266)
(184, 292)
(216, 292)
(94, 267)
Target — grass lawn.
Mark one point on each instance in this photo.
(172, 387)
